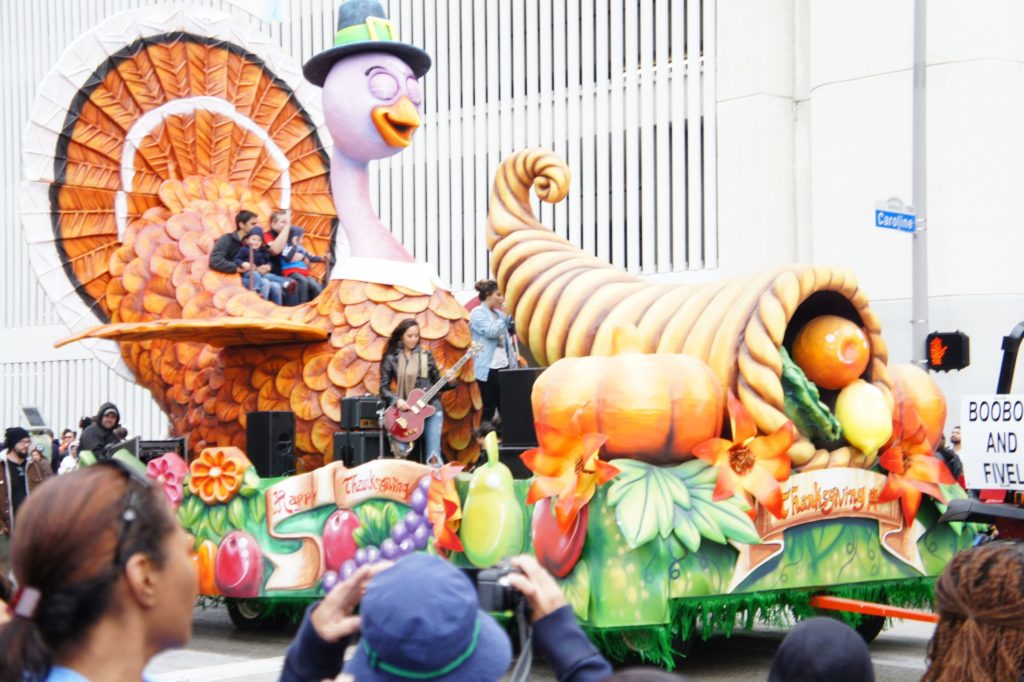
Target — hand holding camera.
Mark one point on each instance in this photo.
(537, 586)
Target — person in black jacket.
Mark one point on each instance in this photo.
(100, 434)
(222, 257)
(408, 366)
(408, 632)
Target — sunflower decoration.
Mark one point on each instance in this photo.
(749, 464)
(216, 475)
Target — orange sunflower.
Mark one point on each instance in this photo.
(752, 464)
(572, 473)
(913, 470)
(444, 509)
(216, 475)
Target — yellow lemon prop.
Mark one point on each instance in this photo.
(865, 416)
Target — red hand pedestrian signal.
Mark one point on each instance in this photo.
(948, 351)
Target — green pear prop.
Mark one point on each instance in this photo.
(492, 520)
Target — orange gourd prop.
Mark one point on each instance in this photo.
(914, 387)
(652, 407)
(832, 351)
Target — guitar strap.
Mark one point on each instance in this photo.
(424, 365)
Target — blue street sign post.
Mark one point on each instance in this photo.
(893, 215)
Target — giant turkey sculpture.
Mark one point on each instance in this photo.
(141, 166)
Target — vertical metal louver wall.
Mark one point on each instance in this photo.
(623, 90)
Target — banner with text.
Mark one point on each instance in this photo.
(991, 437)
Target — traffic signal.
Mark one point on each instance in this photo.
(948, 351)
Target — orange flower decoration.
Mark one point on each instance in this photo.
(753, 464)
(572, 472)
(912, 468)
(217, 474)
(444, 509)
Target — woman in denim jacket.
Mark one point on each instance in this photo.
(491, 327)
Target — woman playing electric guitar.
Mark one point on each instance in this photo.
(408, 366)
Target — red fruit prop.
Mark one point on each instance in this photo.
(339, 546)
(239, 566)
(556, 551)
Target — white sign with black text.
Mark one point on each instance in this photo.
(992, 441)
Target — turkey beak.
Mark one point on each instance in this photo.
(397, 122)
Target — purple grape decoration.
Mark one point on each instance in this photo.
(329, 580)
(425, 483)
(399, 532)
(420, 537)
(406, 547)
(347, 569)
(372, 555)
(389, 549)
(360, 557)
(413, 521)
(418, 501)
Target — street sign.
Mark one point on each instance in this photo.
(893, 215)
(992, 438)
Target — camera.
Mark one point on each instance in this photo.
(493, 594)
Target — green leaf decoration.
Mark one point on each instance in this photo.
(576, 587)
(250, 483)
(257, 508)
(802, 403)
(191, 511)
(236, 512)
(376, 519)
(219, 519)
(644, 497)
(651, 501)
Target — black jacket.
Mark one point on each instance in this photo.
(222, 257)
(95, 438)
(389, 375)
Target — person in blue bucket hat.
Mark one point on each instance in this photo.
(419, 620)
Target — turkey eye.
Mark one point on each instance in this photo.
(383, 85)
(412, 86)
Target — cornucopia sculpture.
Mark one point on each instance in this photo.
(567, 303)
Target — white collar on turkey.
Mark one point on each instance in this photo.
(416, 276)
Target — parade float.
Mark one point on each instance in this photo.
(708, 454)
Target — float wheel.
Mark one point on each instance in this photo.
(253, 615)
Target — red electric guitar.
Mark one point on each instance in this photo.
(407, 425)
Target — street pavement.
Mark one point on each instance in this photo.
(219, 652)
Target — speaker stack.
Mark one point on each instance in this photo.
(270, 442)
(518, 434)
(361, 438)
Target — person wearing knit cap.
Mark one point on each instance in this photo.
(256, 253)
(20, 473)
(822, 649)
(99, 435)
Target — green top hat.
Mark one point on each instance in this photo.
(363, 27)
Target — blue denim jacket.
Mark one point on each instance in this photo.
(488, 328)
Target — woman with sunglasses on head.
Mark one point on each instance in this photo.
(105, 580)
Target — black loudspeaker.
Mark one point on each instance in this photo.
(360, 412)
(270, 442)
(515, 387)
(353, 448)
(509, 456)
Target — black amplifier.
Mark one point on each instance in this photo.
(353, 448)
(360, 412)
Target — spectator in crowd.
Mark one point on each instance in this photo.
(295, 261)
(100, 434)
(980, 601)
(254, 252)
(954, 439)
(276, 238)
(950, 459)
(70, 461)
(105, 579)
(20, 474)
(439, 634)
(822, 649)
(84, 422)
(67, 438)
